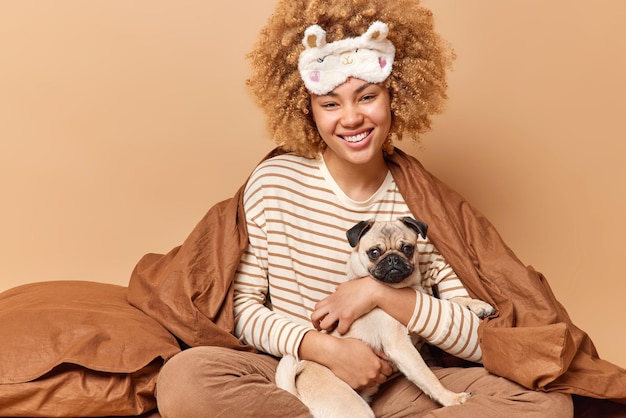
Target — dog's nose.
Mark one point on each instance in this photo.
(393, 260)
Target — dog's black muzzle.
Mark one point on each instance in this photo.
(392, 269)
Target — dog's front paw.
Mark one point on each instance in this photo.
(480, 308)
(456, 398)
(463, 397)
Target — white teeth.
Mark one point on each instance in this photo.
(356, 138)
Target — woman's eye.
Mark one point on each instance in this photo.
(374, 253)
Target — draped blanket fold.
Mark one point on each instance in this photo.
(531, 340)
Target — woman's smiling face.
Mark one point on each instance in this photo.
(353, 120)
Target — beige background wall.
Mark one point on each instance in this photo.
(122, 122)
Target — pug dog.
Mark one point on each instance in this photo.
(386, 251)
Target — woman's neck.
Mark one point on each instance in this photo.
(358, 181)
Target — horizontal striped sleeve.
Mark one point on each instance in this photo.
(446, 325)
(451, 287)
(436, 272)
(255, 323)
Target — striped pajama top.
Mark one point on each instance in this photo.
(297, 218)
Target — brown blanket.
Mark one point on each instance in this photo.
(531, 340)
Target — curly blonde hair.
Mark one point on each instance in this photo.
(417, 84)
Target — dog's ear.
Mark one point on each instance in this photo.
(355, 233)
(418, 226)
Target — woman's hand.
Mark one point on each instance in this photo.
(351, 300)
(349, 359)
(358, 365)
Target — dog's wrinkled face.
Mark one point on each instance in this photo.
(386, 251)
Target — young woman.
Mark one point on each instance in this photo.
(337, 166)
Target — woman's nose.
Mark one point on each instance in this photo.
(351, 116)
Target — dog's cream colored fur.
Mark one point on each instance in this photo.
(328, 396)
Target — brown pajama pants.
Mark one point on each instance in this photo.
(219, 382)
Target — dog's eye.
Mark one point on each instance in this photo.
(408, 250)
(374, 253)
